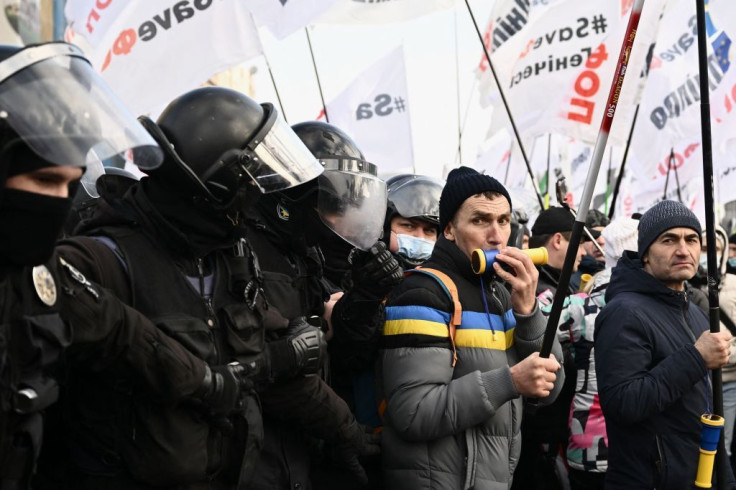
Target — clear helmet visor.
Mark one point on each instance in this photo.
(353, 205)
(418, 196)
(64, 111)
(92, 172)
(279, 160)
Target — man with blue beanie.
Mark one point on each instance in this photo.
(454, 383)
(653, 350)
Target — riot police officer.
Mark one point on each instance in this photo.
(171, 249)
(287, 231)
(412, 218)
(56, 117)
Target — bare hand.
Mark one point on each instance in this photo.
(535, 376)
(714, 347)
(524, 280)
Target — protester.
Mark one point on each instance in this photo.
(593, 261)
(727, 303)
(587, 448)
(552, 230)
(453, 396)
(731, 267)
(653, 350)
(411, 227)
(546, 432)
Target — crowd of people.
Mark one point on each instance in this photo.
(262, 311)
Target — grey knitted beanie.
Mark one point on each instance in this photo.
(660, 218)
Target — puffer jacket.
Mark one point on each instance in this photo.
(651, 380)
(455, 427)
(587, 448)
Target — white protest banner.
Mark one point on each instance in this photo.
(374, 110)
(381, 12)
(283, 17)
(685, 169)
(151, 52)
(669, 114)
(507, 18)
(499, 160)
(556, 71)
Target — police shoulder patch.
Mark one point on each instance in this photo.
(44, 284)
(79, 277)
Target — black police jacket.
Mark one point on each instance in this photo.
(118, 427)
(32, 340)
(292, 275)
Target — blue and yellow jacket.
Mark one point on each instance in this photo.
(444, 426)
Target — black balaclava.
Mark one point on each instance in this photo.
(204, 228)
(30, 223)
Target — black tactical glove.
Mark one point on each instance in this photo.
(357, 440)
(302, 350)
(376, 271)
(222, 387)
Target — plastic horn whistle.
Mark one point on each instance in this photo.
(584, 280)
(709, 435)
(482, 260)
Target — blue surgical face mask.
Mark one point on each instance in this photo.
(732, 262)
(414, 248)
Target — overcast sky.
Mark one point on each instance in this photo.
(342, 53)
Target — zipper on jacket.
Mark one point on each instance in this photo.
(211, 318)
(683, 310)
(660, 463)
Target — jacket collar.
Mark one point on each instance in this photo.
(448, 255)
(630, 276)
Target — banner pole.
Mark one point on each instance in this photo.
(710, 227)
(508, 109)
(595, 164)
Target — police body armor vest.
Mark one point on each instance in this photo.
(163, 445)
(291, 282)
(32, 339)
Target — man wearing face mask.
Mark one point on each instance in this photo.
(731, 268)
(172, 248)
(412, 218)
(52, 107)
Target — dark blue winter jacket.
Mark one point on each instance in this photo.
(651, 380)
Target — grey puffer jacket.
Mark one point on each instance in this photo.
(453, 427)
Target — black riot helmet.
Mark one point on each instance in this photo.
(56, 110)
(109, 183)
(216, 139)
(351, 199)
(414, 196)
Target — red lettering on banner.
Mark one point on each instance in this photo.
(585, 104)
(593, 85)
(679, 160)
(125, 42)
(597, 57)
(483, 65)
(94, 15)
(587, 85)
(127, 38)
